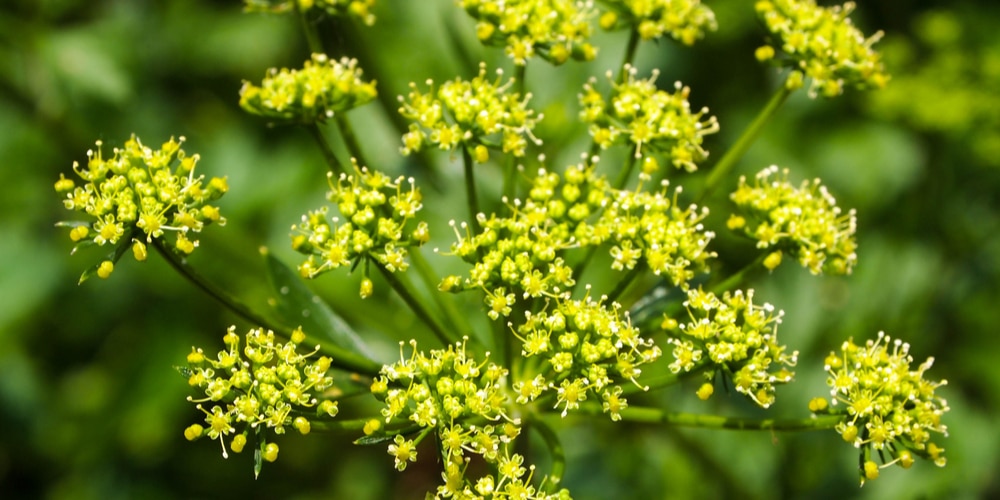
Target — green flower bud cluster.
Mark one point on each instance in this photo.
(464, 402)
(552, 29)
(888, 408)
(358, 9)
(376, 210)
(471, 114)
(821, 43)
(733, 336)
(588, 348)
(640, 114)
(804, 221)
(140, 192)
(684, 20)
(314, 93)
(264, 385)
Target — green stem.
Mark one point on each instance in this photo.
(342, 358)
(735, 153)
(309, 30)
(740, 276)
(657, 416)
(431, 280)
(402, 287)
(630, 50)
(556, 451)
(470, 186)
(331, 159)
(519, 84)
(626, 172)
(350, 139)
(627, 280)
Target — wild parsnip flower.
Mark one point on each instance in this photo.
(464, 402)
(140, 194)
(377, 213)
(821, 43)
(589, 348)
(263, 385)
(314, 93)
(554, 30)
(473, 114)
(888, 408)
(732, 336)
(805, 222)
(684, 20)
(522, 255)
(358, 9)
(648, 119)
(653, 228)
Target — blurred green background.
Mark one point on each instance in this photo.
(90, 406)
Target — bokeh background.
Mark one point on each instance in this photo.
(90, 406)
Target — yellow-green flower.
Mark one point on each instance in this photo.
(376, 211)
(804, 221)
(314, 93)
(683, 20)
(357, 9)
(140, 194)
(552, 29)
(822, 44)
(264, 384)
(732, 335)
(469, 114)
(889, 409)
(650, 120)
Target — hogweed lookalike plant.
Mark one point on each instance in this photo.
(555, 344)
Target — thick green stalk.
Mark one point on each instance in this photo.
(740, 276)
(350, 139)
(736, 152)
(627, 280)
(331, 159)
(470, 186)
(457, 320)
(342, 358)
(402, 287)
(657, 416)
(626, 172)
(629, 59)
(556, 452)
(309, 30)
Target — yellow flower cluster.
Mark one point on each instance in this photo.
(314, 93)
(265, 385)
(464, 402)
(803, 221)
(821, 43)
(358, 9)
(376, 210)
(732, 336)
(140, 194)
(589, 348)
(524, 251)
(472, 114)
(888, 408)
(684, 20)
(649, 119)
(552, 29)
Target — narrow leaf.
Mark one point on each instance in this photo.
(296, 305)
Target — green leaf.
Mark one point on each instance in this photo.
(296, 305)
(374, 439)
(123, 246)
